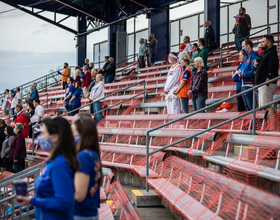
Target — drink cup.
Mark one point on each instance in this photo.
(20, 187)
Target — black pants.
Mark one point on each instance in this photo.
(64, 85)
(141, 62)
(19, 165)
(8, 164)
(240, 102)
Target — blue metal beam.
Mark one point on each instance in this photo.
(81, 40)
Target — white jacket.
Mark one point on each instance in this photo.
(97, 92)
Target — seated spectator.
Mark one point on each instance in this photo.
(110, 71)
(6, 102)
(184, 84)
(88, 179)
(172, 82)
(236, 78)
(198, 87)
(55, 188)
(34, 93)
(77, 96)
(18, 149)
(97, 93)
(23, 119)
(247, 73)
(31, 112)
(65, 75)
(107, 62)
(78, 74)
(69, 92)
(7, 164)
(86, 81)
(90, 66)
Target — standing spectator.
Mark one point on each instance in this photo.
(6, 103)
(198, 87)
(107, 62)
(142, 50)
(34, 93)
(195, 50)
(184, 85)
(16, 100)
(2, 134)
(185, 48)
(23, 119)
(90, 66)
(38, 115)
(69, 92)
(171, 84)
(110, 71)
(97, 93)
(152, 48)
(234, 31)
(244, 26)
(267, 69)
(77, 96)
(88, 179)
(7, 164)
(78, 74)
(203, 52)
(86, 62)
(55, 188)
(236, 78)
(31, 112)
(247, 73)
(86, 81)
(17, 149)
(65, 75)
(146, 56)
(92, 84)
(209, 36)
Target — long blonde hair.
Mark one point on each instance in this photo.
(77, 73)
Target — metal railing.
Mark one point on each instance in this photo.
(111, 106)
(253, 89)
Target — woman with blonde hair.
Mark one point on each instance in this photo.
(78, 74)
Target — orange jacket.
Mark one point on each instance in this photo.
(65, 75)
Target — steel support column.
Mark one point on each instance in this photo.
(112, 30)
(212, 13)
(81, 40)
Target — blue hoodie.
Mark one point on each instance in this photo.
(247, 74)
(33, 95)
(237, 79)
(54, 191)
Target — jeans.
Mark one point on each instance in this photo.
(185, 104)
(85, 217)
(75, 107)
(109, 79)
(97, 106)
(247, 98)
(199, 103)
(12, 110)
(19, 166)
(91, 109)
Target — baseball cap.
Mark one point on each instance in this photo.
(237, 16)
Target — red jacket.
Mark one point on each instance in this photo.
(23, 119)
(86, 80)
(17, 148)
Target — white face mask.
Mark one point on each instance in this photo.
(169, 60)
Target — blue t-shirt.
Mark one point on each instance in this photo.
(89, 164)
(69, 89)
(79, 95)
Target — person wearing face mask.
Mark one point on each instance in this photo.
(34, 93)
(152, 49)
(55, 187)
(17, 149)
(65, 75)
(172, 82)
(31, 112)
(141, 54)
(7, 164)
(77, 96)
(88, 179)
(23, 119)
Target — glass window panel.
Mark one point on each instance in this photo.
(139, 35)
(190, 28)
(233, 10)
(174, 33)
(257, 12)
(130, 44)
(141, 22)
(273, 12)
(130, 25)
(103, 51)
(201, 22)
(96, 53)
(223, 20)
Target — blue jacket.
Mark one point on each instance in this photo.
(54, 191)
(34, 95)
(237, 79)
(248, 69)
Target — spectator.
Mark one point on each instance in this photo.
(7, 164)
(23, 119)
(171, 84)
(34, 93)
(55, 187)
(198, 87)
(77, 96)
(86, 62)
(203, 53)
(234, 31)
(152, 49)
(244, 26)
(90, 66)
(97, 93)
(38, 115)
(31, 112)
(16, 101)
(141, 54)
(188, 45)
(92, 84)
(260, 50)
(236, 78)
(69, 92)
(247, 73)
(267, 69)
(78, 74)
(110, 71)
(195, 50)
(107, 62)
(17, 149)
(2, 134)
(184, 84)
(65, 75)
(6, 103)
(88, 179)
(146, 56)
(86, 81)
(209, 37)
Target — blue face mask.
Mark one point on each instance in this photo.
(15, 131)
(45, 143)
(15, 111)
(77, 139)
(139, 42)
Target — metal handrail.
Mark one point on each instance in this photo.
(213, 127)
(111, 106)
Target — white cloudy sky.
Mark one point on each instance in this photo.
(30, 47)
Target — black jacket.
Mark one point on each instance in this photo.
(209, 37)
(110, 69)
(268, 66)
(104, 67)
(2, 135)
